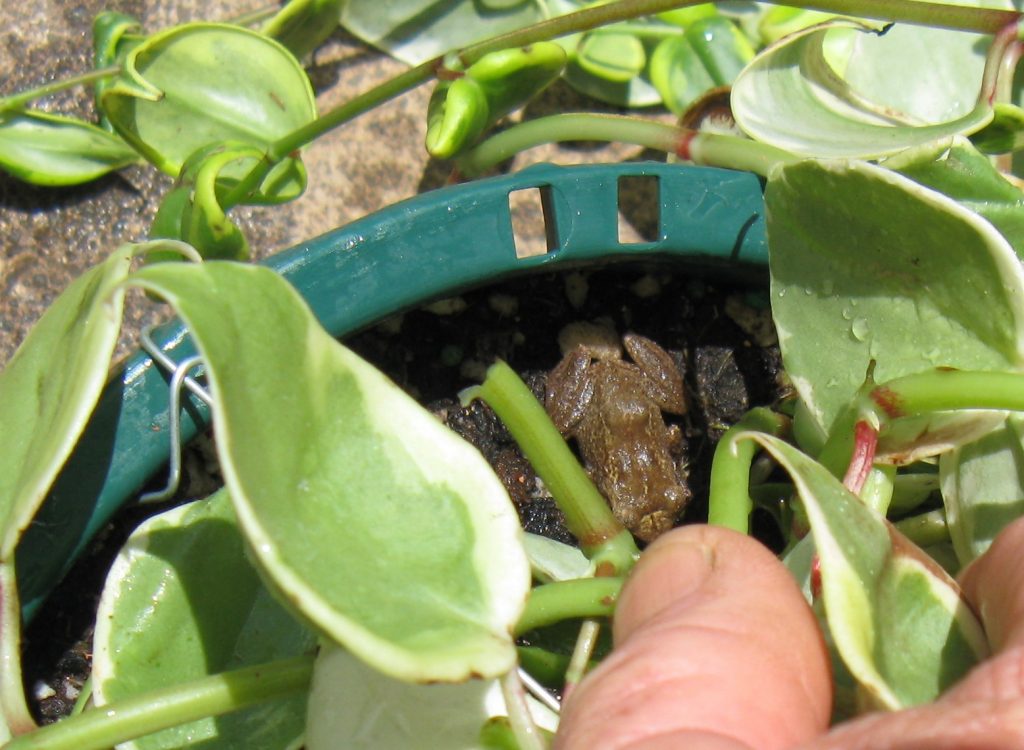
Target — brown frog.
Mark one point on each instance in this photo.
(613, 410)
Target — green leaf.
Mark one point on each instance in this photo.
(615, 57)
(983, 488)
(303, 25)
(868, 265)
(897, 619)
(50, 386)
(711, 53)
(723, 49)
(415, 31)
(793, 95)
(201, 84)
(955, 168)
(53, 150)
(678, 74)
(164, 619)
(1005, 133)
(380, 526)
(350, 700)
(461, 110)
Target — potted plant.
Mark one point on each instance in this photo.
(307, 431)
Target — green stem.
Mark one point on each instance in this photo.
(701, 148)
(564, 600)
(586, 641)
(936, 15)
(587, 515)
(925, 529)
(19, 100)
(524, 730)
(104, 727)
(944, 390)
(729, 503)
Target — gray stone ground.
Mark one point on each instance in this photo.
(49, 236)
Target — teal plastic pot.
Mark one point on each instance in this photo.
(431, 246)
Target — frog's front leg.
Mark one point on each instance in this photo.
(662, 381)
(569, 389)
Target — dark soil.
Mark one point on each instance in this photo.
(719, 336)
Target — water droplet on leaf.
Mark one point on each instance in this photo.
(860, 329)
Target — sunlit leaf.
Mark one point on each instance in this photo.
(164, 619)
(868, 265)
(983, 488)
(354, 706)
(54, 150)
(897, 619)
(201, 84)
(380, 526)
(793, 97)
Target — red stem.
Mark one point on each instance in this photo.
(865, 441)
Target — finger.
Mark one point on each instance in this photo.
(994, 586)
(716, 649)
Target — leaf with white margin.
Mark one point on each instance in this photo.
(353, 706)
(869, 265)
(896, 617)
(51, 385)
(954, 167)
(380, 526)
(791, 96)
(163, 619)
(983, 488)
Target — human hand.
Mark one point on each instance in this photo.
(716, 649)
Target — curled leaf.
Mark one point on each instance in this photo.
(797, 96)
(50, 386)
(462, 109)
(200, 84)
(114, 34)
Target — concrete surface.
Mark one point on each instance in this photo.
(49, 236)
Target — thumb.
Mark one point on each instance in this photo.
(715, 649)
